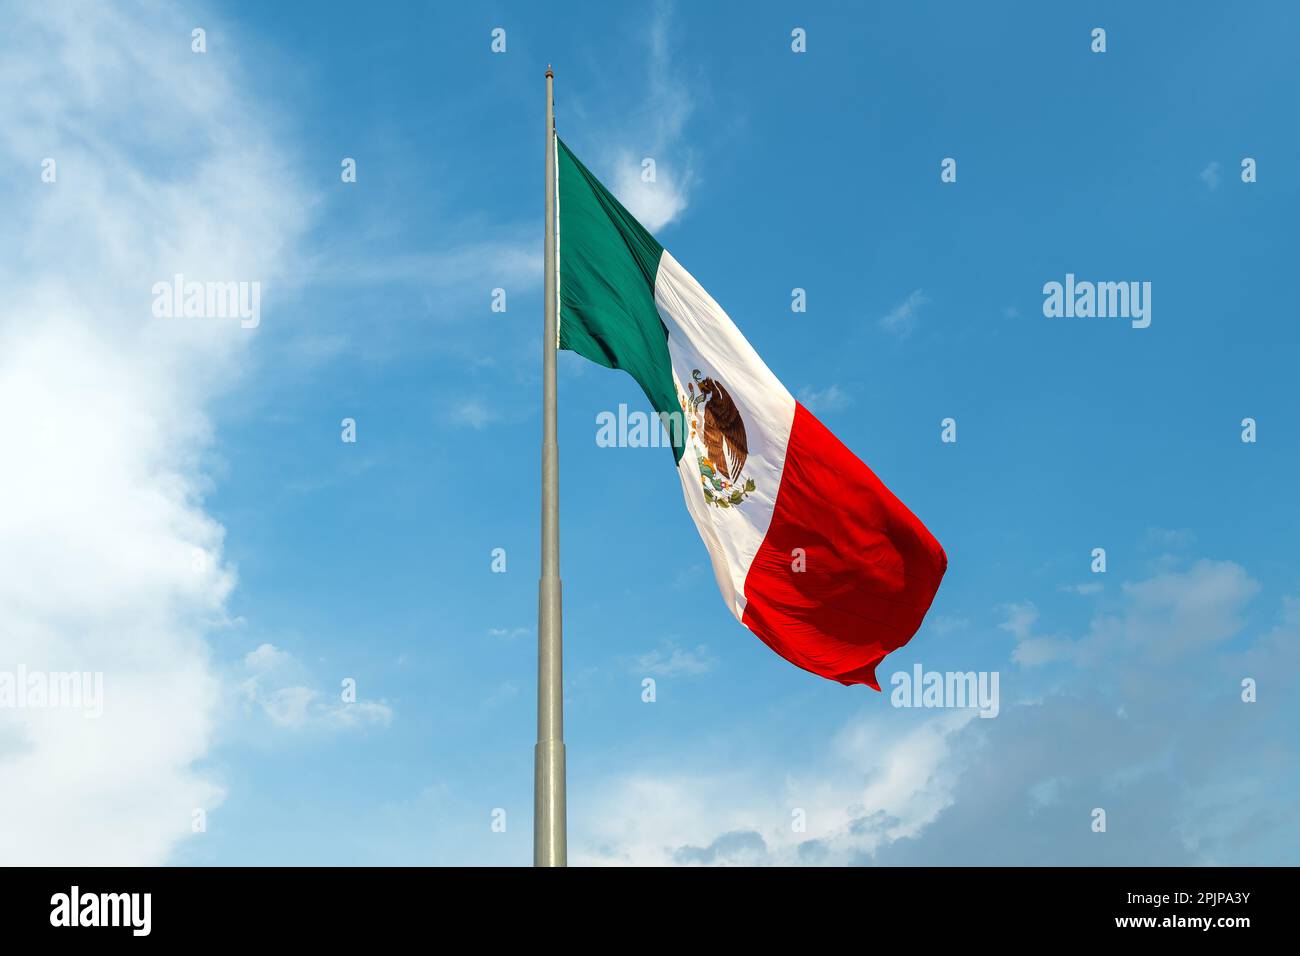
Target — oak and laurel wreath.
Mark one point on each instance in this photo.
(715, 494)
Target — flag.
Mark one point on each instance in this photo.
(809, 548)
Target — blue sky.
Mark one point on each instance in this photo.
(777, 170)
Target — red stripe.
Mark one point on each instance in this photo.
(872, 568)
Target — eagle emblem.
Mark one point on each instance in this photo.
(718, 438)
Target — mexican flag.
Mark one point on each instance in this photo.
(810, 550)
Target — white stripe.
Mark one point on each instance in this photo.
(555, 164)
(702, 337)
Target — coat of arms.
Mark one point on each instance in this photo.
(718, 440)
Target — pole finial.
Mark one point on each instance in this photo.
(549, 71)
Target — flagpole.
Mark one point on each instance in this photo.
(549, 828)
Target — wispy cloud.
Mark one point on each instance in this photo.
(267, 659)
(945, 624)
(1019, 619)
(657, 195)
(1170, 539)
(503, 693)
(832, 398)
(1087, 589)
(108, 559)
(870, 785)
(736, 848)
(1210, 175)
(1167, 615)
(674, 661)
(272, 686)
(472, 413)
(511, 260)
(902, 318)
(909, 788)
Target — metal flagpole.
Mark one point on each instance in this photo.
(549, 830)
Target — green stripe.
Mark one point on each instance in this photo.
(607, 280)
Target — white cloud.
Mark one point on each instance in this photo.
(266, 658)
(658, 136)
(901, 320)
(272, 686)
(673, 661)
(1020, 619)
(1210, 175)
(873, 785)
(1031, 648)
(301, 708)
(944, 624)
(512, 260)
(655, 203)
(1207, 784)
(108, 560)
(504, 692)
(1177, 612)
(1087, 589)
(1169, 538)
(472, 413)
(829, 399)
(1170, 614)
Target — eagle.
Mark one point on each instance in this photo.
(724, 431)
